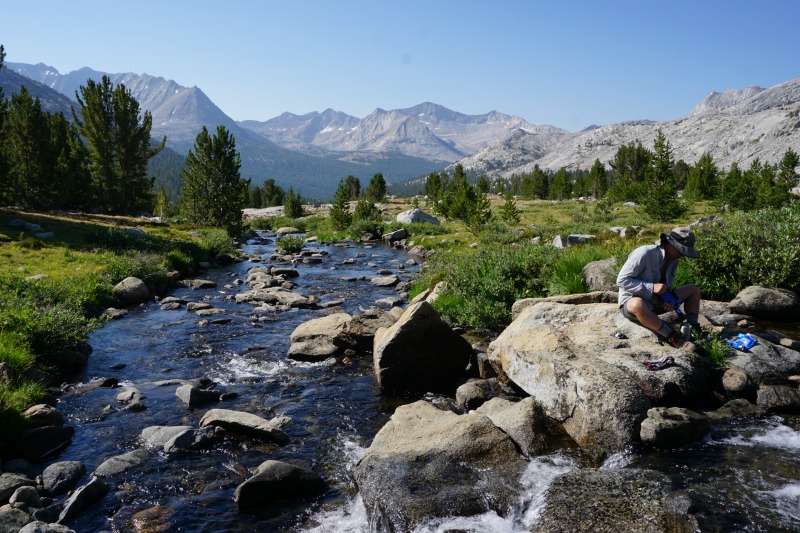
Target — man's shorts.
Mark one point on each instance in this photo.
(657, 309)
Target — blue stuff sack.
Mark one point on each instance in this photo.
(743, 342)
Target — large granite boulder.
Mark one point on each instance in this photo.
(609, 501)
(416, 215)
(765, 362)
(321, 338)
(275, 481)
(131, 291)
(767, 303)
(572, 361)
(420, 352)
(601, 275)
(426, 463)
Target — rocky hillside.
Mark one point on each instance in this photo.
(733, 126)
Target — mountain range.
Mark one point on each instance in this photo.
(312, 152)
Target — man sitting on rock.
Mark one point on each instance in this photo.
(647, 276)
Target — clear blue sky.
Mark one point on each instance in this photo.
(560, 62)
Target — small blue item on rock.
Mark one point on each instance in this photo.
(742, 342)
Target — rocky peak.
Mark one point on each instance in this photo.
(716, 102)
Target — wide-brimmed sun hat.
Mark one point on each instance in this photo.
(682, 239)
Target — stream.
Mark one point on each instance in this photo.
(745, 475)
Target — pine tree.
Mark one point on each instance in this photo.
(213, 193)
(292, 204)
(376, 190)
(340, 216)
(273, 195)
(161, 209)
(541, 183)
(256, 197)
(510, 213)
(735, 190)
(661, 202)
(28, 152)
(366, 211)
(560, 186)
(353, 185)
(4, 186)
(598, 180)
(119, 145)
(787, 177)
(703, 180)
(483, 185)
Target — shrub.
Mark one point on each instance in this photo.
(290, 244)
(148, 267)
(482, 286)
(755, 248)
(215, 240)
(361, 227)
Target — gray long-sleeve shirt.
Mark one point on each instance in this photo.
(641, 270)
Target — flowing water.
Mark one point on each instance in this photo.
(744, 477)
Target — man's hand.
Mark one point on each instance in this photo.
(659, 289)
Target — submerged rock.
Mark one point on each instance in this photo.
(275, 481)
(118, 464)
(245, 423)
(609, 501)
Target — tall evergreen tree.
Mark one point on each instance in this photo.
(3, 166)
(273, 195)
(630, 165)
(560, 186)
(292, 204)
(435, 185)
(256, 197)
(735, 190)
(598, 180)
(661, 200)
(483, 185)
(162, 207)
(541, 183)
(787, 176)
(353, 185)
(376, 190)
(340, 216)
(213, 192)
(29, 159)
(119, 145)
(703, 180)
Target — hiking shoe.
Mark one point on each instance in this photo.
(676, 341)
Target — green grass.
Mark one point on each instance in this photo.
(567, 277)
(50, 289)
(714, 347)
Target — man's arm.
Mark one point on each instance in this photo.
(629, 278)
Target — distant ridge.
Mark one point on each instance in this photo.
(313, 151)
